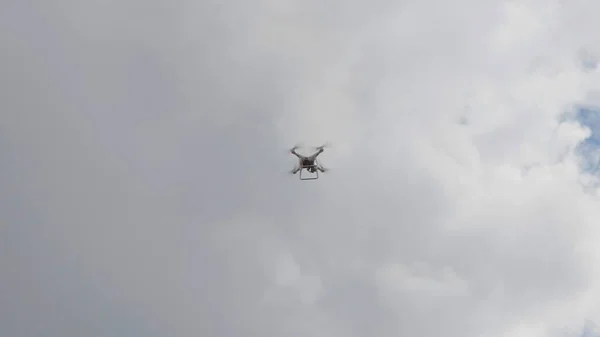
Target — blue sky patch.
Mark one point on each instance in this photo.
(590, 148)
(590, 331)
(588, 61)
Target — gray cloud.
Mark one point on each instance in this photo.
(145, 189)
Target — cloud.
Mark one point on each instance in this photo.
(145, 169)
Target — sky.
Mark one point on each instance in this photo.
(145, 185)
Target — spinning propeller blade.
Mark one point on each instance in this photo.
(326, 145)
(297, 146)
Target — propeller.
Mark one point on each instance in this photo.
(326, 145)
(297, 146)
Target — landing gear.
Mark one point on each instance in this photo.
(312, 177)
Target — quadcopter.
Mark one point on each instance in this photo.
(309, 163)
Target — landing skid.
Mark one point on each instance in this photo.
(316, 176)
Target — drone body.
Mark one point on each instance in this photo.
(308, 163)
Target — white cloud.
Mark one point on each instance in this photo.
(516, 213)
(150, 162)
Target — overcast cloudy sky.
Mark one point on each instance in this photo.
(144, 186)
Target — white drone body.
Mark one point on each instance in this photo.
(308, 163)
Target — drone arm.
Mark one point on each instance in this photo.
(314, 156)
(320, 167)
(293, 151)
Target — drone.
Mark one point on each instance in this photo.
(309, 163)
